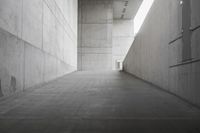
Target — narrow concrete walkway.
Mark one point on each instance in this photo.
(97, 102)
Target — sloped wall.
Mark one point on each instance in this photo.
(38, 42)
(166, 50)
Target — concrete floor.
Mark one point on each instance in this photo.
(97, 102)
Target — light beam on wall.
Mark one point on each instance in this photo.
(141, 14)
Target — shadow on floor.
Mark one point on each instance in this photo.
(98, 102)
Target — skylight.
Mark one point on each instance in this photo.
(141, 14)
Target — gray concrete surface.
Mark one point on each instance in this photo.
(95, 35)
(122, 39)
(38, 42)
(166, 55)
(97, 102)
(103, 40)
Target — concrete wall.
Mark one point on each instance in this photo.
(38, 42)
(95, 35)
(166, 50)
(123, 36)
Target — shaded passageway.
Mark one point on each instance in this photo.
(97, 102)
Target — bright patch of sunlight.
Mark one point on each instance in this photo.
(141, 14)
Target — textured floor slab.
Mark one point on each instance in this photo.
(97, 102)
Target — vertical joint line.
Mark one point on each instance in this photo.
(186, 24)
(24, 63)
(44, 60)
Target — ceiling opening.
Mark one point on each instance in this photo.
(141, 14)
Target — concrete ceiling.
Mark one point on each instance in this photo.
(126, 9)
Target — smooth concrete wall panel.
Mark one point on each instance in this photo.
(175, 52)
(49, 31)
(195, 17)
(175, 12)
(121, 45)
(32, 22)
(95, 61)
(11, 63)
(70, 51)
(11, 16)
(97, 12)
(48, 16)
(59, 41)
(50, 3)
(123, 28)
(74, 19)
(68, 42)
(63, 68)
(79, 63)
(195, 42)
(74, 54)
(60, 68)
(95, 34)
(174, 80)
(184, 82)
(49, 40)
(60, 4)
(34, 66)
(49, 23)
(96, 50)
(157, 53)
(195, 82)
(57, 27)
(50, 67)
(34, 48)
